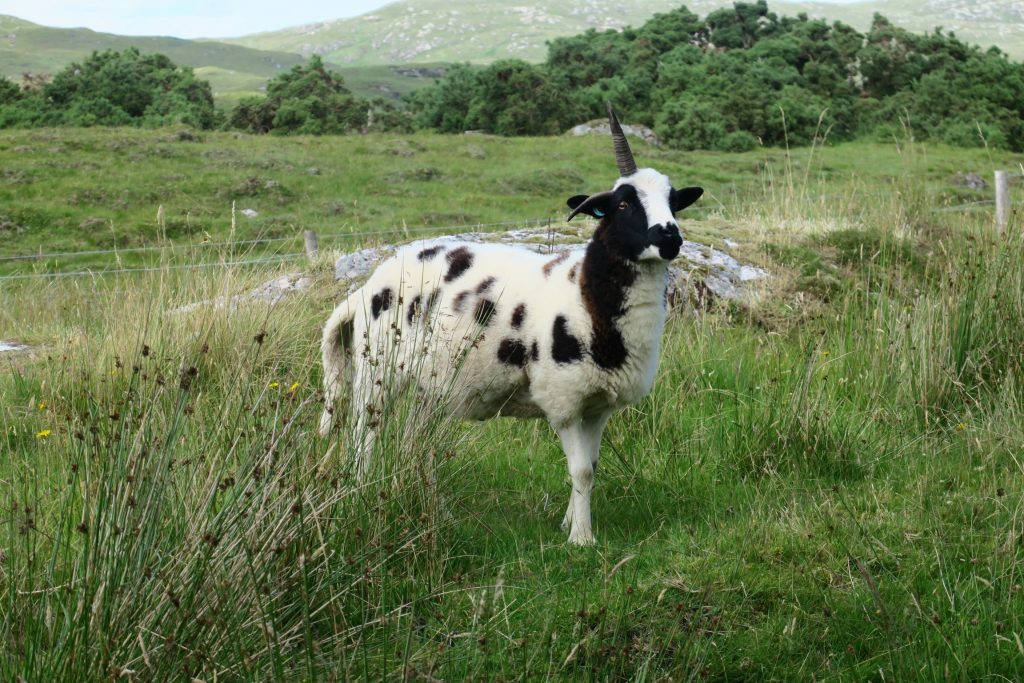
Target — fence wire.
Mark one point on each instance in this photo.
(206, 246)
(154, 269)
(210, 245)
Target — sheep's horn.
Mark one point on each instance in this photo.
(623, 155)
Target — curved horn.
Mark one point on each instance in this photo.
(623, 155)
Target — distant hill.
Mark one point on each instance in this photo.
(486, 30)
(234, 71)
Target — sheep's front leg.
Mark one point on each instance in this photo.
(581, 441)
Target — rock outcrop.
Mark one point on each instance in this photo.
(601, 127)
(699, 274)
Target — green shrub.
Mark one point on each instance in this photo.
(973, 134)
(9, 91)
(308, 100)
(689, 124)
(738, 141)
(120, 88)
(782, 80)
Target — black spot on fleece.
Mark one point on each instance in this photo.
(565, 348)
(459, 261)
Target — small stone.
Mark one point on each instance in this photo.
(601, 127)
(92, 223)
(972, 181)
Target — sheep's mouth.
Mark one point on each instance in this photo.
(667, 240)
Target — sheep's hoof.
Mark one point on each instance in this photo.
(582, 538)
(325, 424)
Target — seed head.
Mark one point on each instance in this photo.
(187, 375)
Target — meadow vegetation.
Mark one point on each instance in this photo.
(102, 189)
(825, 483)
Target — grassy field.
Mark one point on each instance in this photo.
(825, 483)
(102, 189)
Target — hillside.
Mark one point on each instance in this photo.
(233, 70)
(486, 30)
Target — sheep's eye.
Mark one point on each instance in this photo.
(623, 205)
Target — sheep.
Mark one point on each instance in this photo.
(498, 330)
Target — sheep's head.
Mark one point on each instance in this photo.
(638, 213)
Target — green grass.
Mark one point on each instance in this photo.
(825, 483)
(96, 189)
(390, 81)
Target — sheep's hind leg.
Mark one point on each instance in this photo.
(581, 442)
(366, 406)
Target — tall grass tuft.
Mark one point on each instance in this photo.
(184, 520)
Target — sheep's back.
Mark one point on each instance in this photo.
(495, 328)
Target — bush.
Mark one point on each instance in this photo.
(115, 89)
(688, 124)
(9, 92)
(386, 116)
(509, 97)
(445, 105)
(308, 100)
(782, 80)
(738, 141)
(973, 134)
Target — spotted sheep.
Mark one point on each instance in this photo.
(497, 330)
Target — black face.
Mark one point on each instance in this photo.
(625, 225)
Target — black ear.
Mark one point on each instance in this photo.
(680, 199)
(596, 205)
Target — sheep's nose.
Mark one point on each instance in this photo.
(667, 231)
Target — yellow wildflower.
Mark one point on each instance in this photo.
(42, 406)
(274, 385)
(961, 427)
(43, 434)
(293, 388)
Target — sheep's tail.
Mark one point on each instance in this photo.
(334, 346)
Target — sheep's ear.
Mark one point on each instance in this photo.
(680, 199)
(595, 205)
(576, 200)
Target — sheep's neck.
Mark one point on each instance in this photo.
(612, 287)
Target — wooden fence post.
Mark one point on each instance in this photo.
(312, 245)
(1002, 200)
